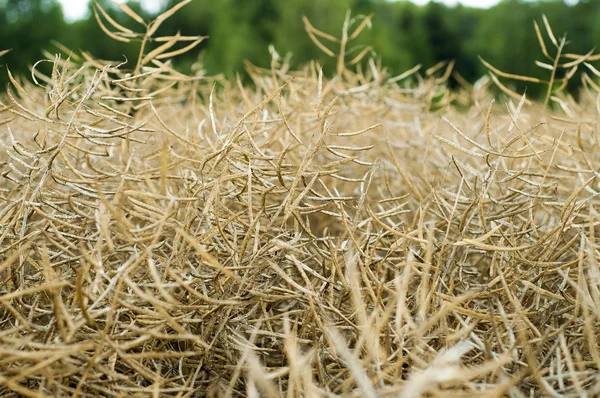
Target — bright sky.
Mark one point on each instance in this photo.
(470, 3)
(75, 9)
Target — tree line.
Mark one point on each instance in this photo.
(402, 34)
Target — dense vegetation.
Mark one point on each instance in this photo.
(403, 34)
(341, 233)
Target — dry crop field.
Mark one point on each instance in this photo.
(357, 234)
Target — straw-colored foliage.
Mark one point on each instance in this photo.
(360, 235)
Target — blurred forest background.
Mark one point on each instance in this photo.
(402, 34)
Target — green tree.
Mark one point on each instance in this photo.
(21, 30)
